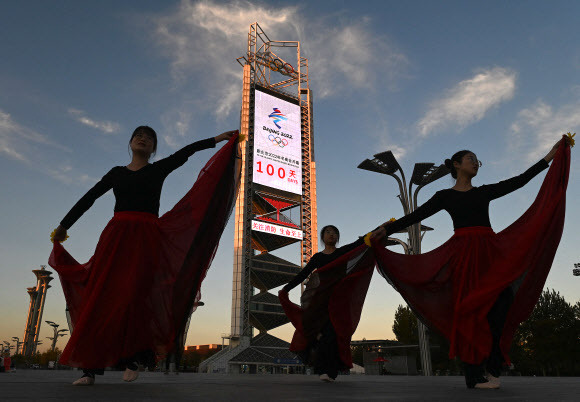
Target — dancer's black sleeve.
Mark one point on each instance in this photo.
(504, 187)
(318, 260)
(431, 207)
(302, 275)
(104, 185)
(172, 162)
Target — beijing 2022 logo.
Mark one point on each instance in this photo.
(277, 117)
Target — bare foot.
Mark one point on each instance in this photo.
(131, 372)
(86, 380)
(130, 375)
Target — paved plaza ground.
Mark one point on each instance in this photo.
(44, 385)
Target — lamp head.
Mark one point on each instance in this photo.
(389, 160)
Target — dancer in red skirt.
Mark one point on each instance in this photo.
(331, 304)
(132, 300)
(477, 287)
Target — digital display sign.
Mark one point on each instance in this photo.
(277, 143)
(277, 229)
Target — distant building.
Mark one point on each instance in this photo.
(266, 354)
(388, 357)
(204, 349)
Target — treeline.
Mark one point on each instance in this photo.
(547, 344)
(190, 360)
(42, 359)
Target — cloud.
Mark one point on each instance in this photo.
(398, 151)
(538, 127)
(176, 122)
(68, 175)
(202, 40)
(347, 56)
(107, 127)
(20, 143)
(469, 101)
(204, 34)
(15, 138)
(383, 140)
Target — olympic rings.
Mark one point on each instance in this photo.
(279, 64)
(281, 142)
(276, 64)
(288, 69)
(269, 62)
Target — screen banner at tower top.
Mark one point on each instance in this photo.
(277, 143)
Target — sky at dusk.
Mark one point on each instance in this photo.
(421, 78)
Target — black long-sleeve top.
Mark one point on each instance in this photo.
(138, 190)
(467, 208)
(319, 260)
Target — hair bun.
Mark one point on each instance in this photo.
(448, 164)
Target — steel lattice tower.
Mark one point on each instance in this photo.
(36, 308)
(254, 266)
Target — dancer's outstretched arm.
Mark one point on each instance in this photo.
(302, 275)
(315, 263)
(104, 185)
(431, 207)
(504, 187)
(172, 162)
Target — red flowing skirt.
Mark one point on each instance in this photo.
(341, 289)
(143, 282)
(453, 287)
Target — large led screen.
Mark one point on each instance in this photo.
(277, 143)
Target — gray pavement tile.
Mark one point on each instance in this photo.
(43, 385)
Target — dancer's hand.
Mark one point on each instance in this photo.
(379, 233)
(59, 234)
(548, 158)
(225, 136)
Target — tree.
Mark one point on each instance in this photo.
(190, 359)
(405, 326)
(405, 329)
(547, 342)
(49, 356)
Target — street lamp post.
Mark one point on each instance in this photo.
(68, 319)
(57, 333)
(18, 343)
(35, 355)
(423, 174)
(7, 348)
(36, 344)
